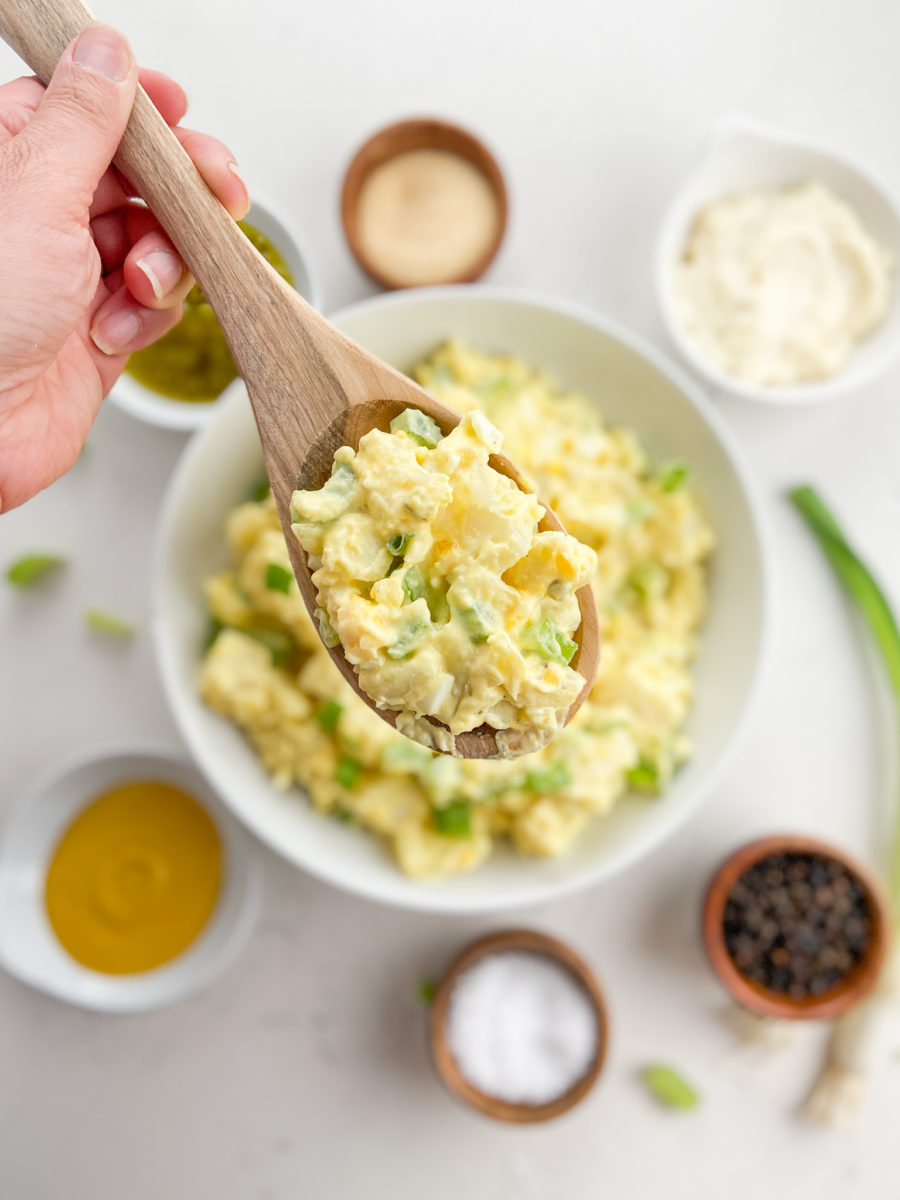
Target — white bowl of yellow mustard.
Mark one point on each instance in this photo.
(125, 885)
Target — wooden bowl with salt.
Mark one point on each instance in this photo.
(424, 202)
(572, 969)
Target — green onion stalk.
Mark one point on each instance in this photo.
(858, 1036)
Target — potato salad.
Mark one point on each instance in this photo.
(435, 580)
(266, 669)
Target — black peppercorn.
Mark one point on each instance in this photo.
(797, 924)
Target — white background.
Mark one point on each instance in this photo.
(303, 1072)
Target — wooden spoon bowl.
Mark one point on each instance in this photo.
(312, 390)
(531, 942)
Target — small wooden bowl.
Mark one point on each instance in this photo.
(529, 941)
(773, 1004)
(425, 133)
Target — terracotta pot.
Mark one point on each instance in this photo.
(754, 996)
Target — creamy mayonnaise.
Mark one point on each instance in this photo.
(777, 287)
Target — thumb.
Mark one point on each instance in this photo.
(82, 116)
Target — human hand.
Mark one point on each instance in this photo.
(86, 275)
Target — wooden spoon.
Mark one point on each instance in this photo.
(312, 389)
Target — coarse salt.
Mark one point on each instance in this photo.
(521, 1027)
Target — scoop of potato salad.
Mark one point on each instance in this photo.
(265, 668)
(445, 596)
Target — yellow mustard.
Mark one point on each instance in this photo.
(134, 878)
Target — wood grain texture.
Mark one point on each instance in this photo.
(312, 390)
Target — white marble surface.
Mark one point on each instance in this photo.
(303, 1072)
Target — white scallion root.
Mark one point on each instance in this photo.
(837, 1098)
(766, 1033)
(856, 1043)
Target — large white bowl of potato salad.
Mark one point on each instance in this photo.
(636, 465)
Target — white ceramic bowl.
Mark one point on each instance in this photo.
(150, 406)
(743, 155)
(633, 385)
(29, 948)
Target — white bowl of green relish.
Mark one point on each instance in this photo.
(176, 382)
(634, 386)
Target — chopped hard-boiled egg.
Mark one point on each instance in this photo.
(446, 598)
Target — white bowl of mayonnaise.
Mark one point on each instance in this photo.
(776, 268)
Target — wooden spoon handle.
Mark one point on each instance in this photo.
(149, 154)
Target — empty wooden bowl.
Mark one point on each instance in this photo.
(529, 942)
(426, 133)
(755, 996)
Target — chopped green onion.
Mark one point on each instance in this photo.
(261, 491)
(404, 756)
(329, 715)
(454, 820)
(308, 506)
(649, 580)
(327, 631)
(103, 622)
(342, 478)
(669, 1087)
(498, 387)
(548, 642)
(477, 622)
(438, 604)
(397, 544)
(279, 645)
(417, 425)
(344, 815)
(409, 639)
(441, 375)
(550, 778)
(348, 772)
(427, 990)
(413, 584)
(640, 509)
(674, 475)
(278, 578)
(213, 630)
(644, 775)
(31, 569)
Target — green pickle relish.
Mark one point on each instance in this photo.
(192, 362)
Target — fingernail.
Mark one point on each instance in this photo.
(103, 51)
(114, 333)
(163, 269)
(236, 172)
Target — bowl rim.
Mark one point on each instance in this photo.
(423, 898)
(182, 416)
(183, 975)
(730, 127)
(853, 987)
